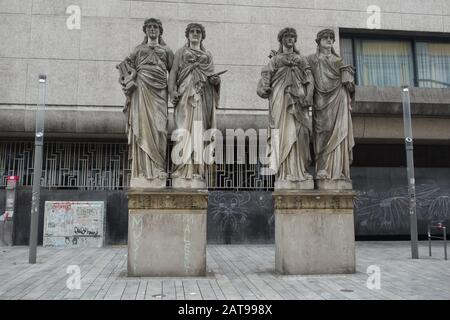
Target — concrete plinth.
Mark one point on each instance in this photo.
(167, 233)
(314, 232)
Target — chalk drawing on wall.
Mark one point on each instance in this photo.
(387, 212)
(230, 210)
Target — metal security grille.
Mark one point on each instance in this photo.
(88, 166)
(237, 172)
(105, 166)
(238, 177)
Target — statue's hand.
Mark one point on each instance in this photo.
(265, 92)
(214, 80)
(129, 88)
(349, 86)
(126, 106)
(175, 97)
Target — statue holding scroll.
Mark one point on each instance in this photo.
(194, 89)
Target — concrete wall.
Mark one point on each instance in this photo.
(80, 64)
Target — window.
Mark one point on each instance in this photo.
(433, 64)
(384, 63)
(396, 62)
(347, 51)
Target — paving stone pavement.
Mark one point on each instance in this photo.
(237, 272)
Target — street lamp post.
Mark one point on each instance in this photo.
(38, 151)
(410, 170)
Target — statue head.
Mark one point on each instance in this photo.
(153, 30)
(287, 38)
(195, 33)
(326, 38)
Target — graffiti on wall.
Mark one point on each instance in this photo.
(73, 224)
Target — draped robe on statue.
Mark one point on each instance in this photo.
(198, 100)
(288, 75)
(332, 121)
(147, 111)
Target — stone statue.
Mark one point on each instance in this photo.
(194, 90)
(288, 84)
(332, 121)
(144, 81)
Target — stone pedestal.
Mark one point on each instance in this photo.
(167, 233)
(314, 232)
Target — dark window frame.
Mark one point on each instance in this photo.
(394, 35)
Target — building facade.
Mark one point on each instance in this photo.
(78, 43)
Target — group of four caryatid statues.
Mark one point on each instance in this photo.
(297, 87)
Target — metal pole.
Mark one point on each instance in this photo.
(39, 144)
(445, 242)
(410, 171)
(429, 240)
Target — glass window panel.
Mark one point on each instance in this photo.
(347, 51)
(384, 63)
(433, 64)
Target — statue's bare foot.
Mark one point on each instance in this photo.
(197, 177)
(322, 174)
(162, 175)
(290, 177)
